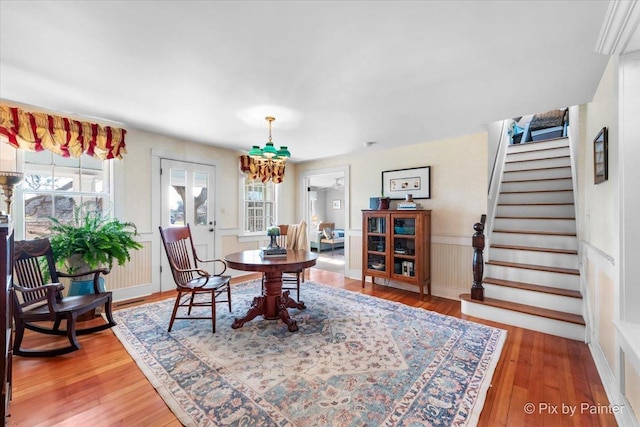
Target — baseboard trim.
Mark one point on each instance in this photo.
(621, 408)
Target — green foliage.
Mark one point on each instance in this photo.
(100, 239)
(273, 231)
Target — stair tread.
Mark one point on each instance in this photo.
(536, 159)
(534, 180)
(537, 191)
(539, 169)
(535, 267)
(533, 204)
(511, 150)
(528, 309)
(532, 287)
(550, 233)
(535, 249)
(530, 144)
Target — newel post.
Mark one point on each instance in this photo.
(477, 241)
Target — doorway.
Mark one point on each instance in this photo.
(187, 196)
(326, 201)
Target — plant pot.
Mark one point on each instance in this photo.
(383, 203)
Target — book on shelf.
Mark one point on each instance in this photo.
(408, 206)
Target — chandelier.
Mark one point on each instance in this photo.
(269, 154)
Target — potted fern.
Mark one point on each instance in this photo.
(92, 240)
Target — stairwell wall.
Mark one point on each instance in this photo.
(600, 234)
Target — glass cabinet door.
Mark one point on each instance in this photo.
(404, 246)
(376, 242)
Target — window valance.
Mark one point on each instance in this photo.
(61, 135)
(263, 170)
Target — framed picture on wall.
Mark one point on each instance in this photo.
(397, 184)
(336, 204)
(601, 157)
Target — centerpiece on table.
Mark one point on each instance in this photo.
(273, 249)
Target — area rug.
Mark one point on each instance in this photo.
(356, 360)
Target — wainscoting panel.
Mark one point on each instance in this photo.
(134, 273)
(231, 244)
(451, 269)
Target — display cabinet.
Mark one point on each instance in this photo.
(396, 245)
(6, 263)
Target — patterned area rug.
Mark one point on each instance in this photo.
(355, 361)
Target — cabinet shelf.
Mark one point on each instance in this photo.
(401, 242)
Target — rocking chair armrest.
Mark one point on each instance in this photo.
(53, 294)
(224, 264)
(47, 287)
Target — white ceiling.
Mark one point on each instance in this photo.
(334, 74)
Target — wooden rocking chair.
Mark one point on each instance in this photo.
(189, 278)
(38, 300)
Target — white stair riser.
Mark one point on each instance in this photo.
(537, 146)
(527, 321)
(533, 298)
(535, 277)
(552, 225)
(547, 211)
(550, 184)
(537, 197)
(546, 259)
(535, 240)
(537, 164)
(537, 174)
(538, 154)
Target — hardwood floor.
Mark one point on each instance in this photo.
(100, 385)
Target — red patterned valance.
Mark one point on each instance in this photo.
(61, 135)
(264, 170)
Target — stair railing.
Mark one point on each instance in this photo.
(477, 241)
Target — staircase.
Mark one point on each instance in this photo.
(531, 278)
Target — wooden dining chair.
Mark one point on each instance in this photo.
(37, 297)
(191, 280)
(292, 236)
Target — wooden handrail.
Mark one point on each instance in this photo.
(477, 241)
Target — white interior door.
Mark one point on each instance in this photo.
(187, 197)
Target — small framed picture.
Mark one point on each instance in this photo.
(397, 184)
(601, 157)
(336, 204)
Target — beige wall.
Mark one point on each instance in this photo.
(458, 199)
(599, 204)
(458, 182)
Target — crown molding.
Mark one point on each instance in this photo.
(619, 25)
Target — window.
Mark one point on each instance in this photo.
(259, 205)
(54, 186)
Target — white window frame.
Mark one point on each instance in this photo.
(244, 206)
(24, 167)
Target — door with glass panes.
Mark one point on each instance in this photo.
(188, 198)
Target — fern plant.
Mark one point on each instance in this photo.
(97, 238)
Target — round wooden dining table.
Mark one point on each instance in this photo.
(273, 303)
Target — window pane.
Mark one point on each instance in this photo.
(92, 181)
(93, 204)
(37, 210)
(89, 162)
(42, 157)
(177, 196)
(38, 178)
(71, 162)
(66, 179)
(64, 207)
(200, 194)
